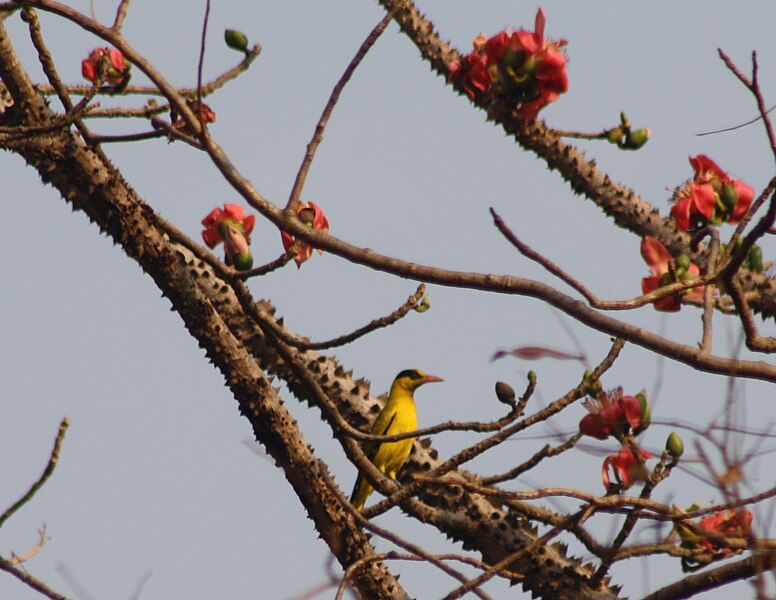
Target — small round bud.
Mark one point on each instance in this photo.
(636, 139)
(424, 305)
(615, 135)
(755, 259)
(505, 393)
(682, 262)
(729, 196)
(236, 40)
(243, 261)
(674, 445)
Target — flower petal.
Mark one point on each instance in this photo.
(655, 255)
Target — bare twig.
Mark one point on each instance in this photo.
(30, 581)
(301, 175)
(52, 463)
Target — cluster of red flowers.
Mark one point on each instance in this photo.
(722, 524)
(613, 414)
(711, 197)
(230, 226)
(725, 523)
(118, 66)
(519, 70)
(665, 270)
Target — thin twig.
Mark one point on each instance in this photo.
(29, 580)
(301, 175)
(374, 325)
(546, 452)
(593, 300)
(121, 13)
(52, 463)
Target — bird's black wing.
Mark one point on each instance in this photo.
(370, 449)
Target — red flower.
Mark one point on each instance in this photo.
(711, 197)
(666, 270)
(201, 111)
(611, 413)
(311, 215)
(118, 70)
(232, 227)
(726, 523)
(626, 468)
(519, 70)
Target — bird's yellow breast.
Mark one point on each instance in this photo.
(399, 416)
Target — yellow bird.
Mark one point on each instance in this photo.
(398, 416)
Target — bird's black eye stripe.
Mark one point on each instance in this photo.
(411, 373)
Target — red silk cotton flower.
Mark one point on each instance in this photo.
(627, 469)
(118, 69)
(665, 270)
(519, 70)
(233, 228)
(611, 413)
(201, 111)
(311, 215)
(712, 196)
(725, 523)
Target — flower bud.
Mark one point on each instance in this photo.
(674, 445)
(236, 40)
(595, 386)
(755, 259)
(615, 135)
(646, 413)
(636, 139)
(505, 393)
(625, 120)
(729, 196)
(242, 261)
(682, 262)
(424, 305)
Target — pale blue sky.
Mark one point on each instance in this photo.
(155, 474)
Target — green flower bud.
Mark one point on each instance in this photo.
(424, 305)
(636, 139)
(236, 40)
(615, 135)
(505, 393)
(625, 120)
(729, 196)
(242, 261)
(646, 413)
(595, 387)
(682, 262)
(719, 204)
(755, 259)
(674, 445)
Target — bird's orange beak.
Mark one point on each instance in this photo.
(431, 379)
